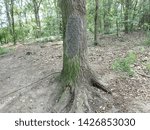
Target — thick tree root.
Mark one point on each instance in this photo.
(96, 84)
(78, 98)
(81, 96)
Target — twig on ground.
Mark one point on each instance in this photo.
(27, 85)
(144, 75)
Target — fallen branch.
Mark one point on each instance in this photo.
(30, 85)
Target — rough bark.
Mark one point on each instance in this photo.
(75, 86)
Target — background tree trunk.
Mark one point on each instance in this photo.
(107, 8)
(8, 15)
(13, 22)
(134, 14)
(96, 22)
(126, 16)
(36, 6)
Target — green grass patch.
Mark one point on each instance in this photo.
(148, 66)
(3, 50)
(147, 41)
(124, 64)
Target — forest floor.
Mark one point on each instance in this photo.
(26, 73)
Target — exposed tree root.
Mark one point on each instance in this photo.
(79, 97)
(100, 86)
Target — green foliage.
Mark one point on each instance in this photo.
(148, 66)
(50, 28)
(48, 39)
(111, 18)
(21, 33)
(3, 51)
(90, 16)
(147, 41)
(5, 36)
(124, 64)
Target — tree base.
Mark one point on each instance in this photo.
(80, 97)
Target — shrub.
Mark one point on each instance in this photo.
(3, 51)
(148, 66)
(124, 64)
(147, 42)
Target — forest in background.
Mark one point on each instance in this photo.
(23, 20)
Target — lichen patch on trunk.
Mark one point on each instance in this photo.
(74, 34)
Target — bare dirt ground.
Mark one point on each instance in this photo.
(26, 74)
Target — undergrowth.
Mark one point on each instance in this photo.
(3, 51)
(148, 66)
(147, 41)
(124, 64)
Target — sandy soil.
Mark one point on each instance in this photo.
(26, 74)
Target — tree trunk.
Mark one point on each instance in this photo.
(73, 91)
(134, 15)
(116, 14)
(96, 22)
(107, 23)
(36, 6)
(117, 26)
(25, 16)
(58, 27)
(13, 22)
(126, 16)
(8, 15)
(20, 15)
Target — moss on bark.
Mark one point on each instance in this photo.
(70, 70)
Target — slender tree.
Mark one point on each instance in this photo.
(107, 8)
(134, 14)
(96, 22)
(13, 22)
(19, 13)
(36, 6)
(6, 2)
(74, 88)
(126, 16)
